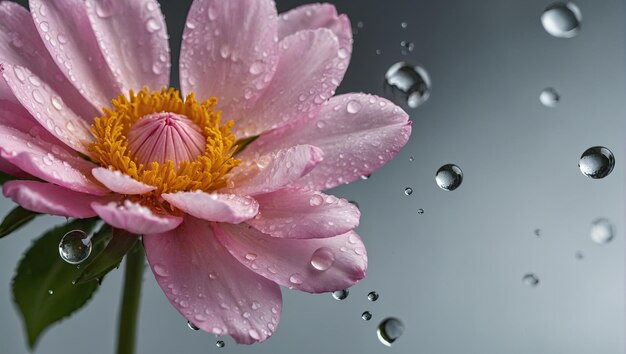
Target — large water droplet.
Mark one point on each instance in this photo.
(596, 162)
(353, 107)
(549, 97)
(192, 326)
(601, 231)
(341, 294)
(530, 279)
(322, 259)
(407, 84)
(562, 20)
(449, 177)
(75, 247)
(366, 315)
(372, 296)
(389, 330)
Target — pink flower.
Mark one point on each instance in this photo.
(223, 228)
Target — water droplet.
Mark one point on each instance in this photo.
(256, 68)
(192, 326)
(251, 256)
(160, 270)
(389, 330)
(407, 47)
(75, 247)
(225, 51)
(37, 96)
(343, 53)
(254, 334)
(407, 84)
(212, 13)
(561, 20)
(372, 296)
(104, 9)
(408, 190)
(449, 177)
(322, 259)
(420, 211)
(341, 294)
(152, 25)
(353, 107)
(530, 279)
(45, 26)
(316, 200)
(411, 159)
(220, 344)
(57, 103)
(295, 279)
(404, 25)
(366, 315)
(596, 162)
(354, 202)
(50, 292)
(549, 97)
(601, 231)
(579, 255)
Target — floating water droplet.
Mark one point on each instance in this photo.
(420, 211)
(372, 296)
(50, 292)
(322, 259)
(407, 84)
(530, 279)
(366, 315)
(549, 97)
(562, 19)
(389, 330)
(220, 344)
(404, 25)
(75, 247)
(341, 294)
(411, 159)
(192, 326)
(408, 190)
(601, 231)
(596, 162)
(449, 177)
(537, 232)
(579, 255)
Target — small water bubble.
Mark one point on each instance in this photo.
(420, 211)
(601, 231)
(389, 330)
(562, 19)
(75, 247)
(530, 279)
(408, 191)
(322, 259)
(372, 296)
(407, 84)
(341, 294)
(295, 279)
(449, 177)
(220, 344)
(366, 315)
(192, 326)
(549, 97)
(596, 162)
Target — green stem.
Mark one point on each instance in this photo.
(133, 278)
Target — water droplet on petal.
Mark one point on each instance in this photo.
(549, 97)
(251, 256)
(596, 162)
(562, 20)
(341, 294)
(295, 279)
(322, 259)
(366, 315)
(389, 330)
(316, 200)
(353, 107)
(57, 103)
(601, 231)
(254, 334)
(449, 177)
(407, 84)
(192, 326)
(152, 25)
(75, 247)
(530, 279)
(372, 296)
(160, 270)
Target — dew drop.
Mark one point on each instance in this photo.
(561, 19)
(549, 97)
(57, 103)
(596, 162)
(104, 9)
(220, 344)
(251, 256)
(407, 84)
(152, 25)
(75, 247)
(37, 96)
(192, 326)
(353, 107)
(372, 296)
(316, 200)
(343, 53)
(601, 231)
(256, 68)
(449, 177)
(45, 26)
(389, 330)
(225, 51)
(408, 191)
(341, 294)
(254, 334)
(530, 279)
(322, 259)
(366, 315)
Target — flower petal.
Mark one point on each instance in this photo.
(21, 45)
(50, 199)
(214, 207)
(313, 265)
(48, 108)
(229, 51)
(209, 287)
(309, 70)
(270, 172)
(133, 34)
(135, 218)
(64, 27)
(10, 169)
(15, 116)
(47, 161)
(120, 183)
(358, 133)
(292, 213)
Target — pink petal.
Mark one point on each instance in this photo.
(120, 183)
(47, 161)
(229, 51)
(309, 70)
(292, 213)
(48, 108)
(358, 133)
(15, 116)
(312, 265)
(270, 172)
(135, 218)
(11, 169)
(50, 199)
(209, 287)
(134, 37)
(65, 29)
(214, 207)
(21, 45)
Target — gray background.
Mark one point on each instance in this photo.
(453, 274)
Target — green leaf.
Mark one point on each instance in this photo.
(121, 243)
(16, 218)
(241, 144)
(5, 178)
(42, 286)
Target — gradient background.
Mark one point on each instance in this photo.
(453, 275)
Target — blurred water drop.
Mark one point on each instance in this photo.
(420, 211)
(389, 330)
(449, 177)
(379, 52)
(601, 231)
(50, 292)
(596, 162)
(562, 19)
(75, 247)
(411, 159)
(537, 232)
(579, 255)
(341, 294)
(366, 315)
(530, 279)
(192, 326)
(372, 296)
(220, 344)
(408, 190)
(404, 25)
(549, 97)
(407, 47)
(407, 84)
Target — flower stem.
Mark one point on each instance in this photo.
(133, 278)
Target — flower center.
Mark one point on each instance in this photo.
(164, 141)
